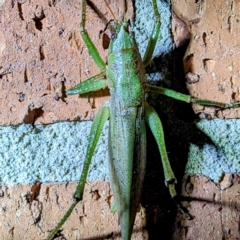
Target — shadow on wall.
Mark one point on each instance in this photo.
(180, 130)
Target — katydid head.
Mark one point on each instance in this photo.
(121, 39)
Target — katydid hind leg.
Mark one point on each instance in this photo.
(96, 129)
(155, 125)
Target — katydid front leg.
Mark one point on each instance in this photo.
(96, 82)
(153, 37)
(96, 129)
(88, 42)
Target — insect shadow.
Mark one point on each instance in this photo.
(180, 130)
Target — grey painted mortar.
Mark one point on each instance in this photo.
(49, 153)
(213, 161)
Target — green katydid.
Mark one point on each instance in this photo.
(128, 113)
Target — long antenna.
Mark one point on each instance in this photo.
(124, 7)
(110, 10)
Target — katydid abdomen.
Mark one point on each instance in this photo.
(126, 161)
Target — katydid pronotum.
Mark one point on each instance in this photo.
(128, 113)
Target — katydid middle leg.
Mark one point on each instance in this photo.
(94, 83)
(188, 98)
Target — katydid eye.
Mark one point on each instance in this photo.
(113, 36)
(106, 41)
